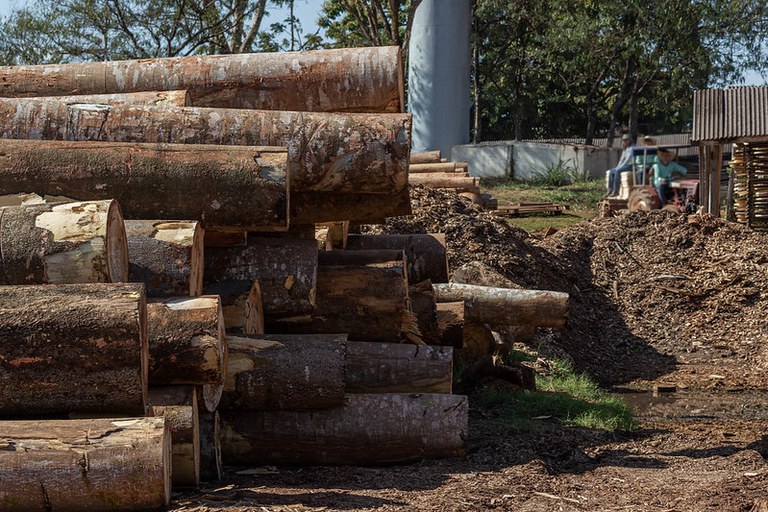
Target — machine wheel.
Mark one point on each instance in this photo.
(643, 200)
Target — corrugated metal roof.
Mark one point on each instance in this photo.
(730, 114)
(708, 115)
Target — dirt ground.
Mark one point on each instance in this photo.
(658, 301)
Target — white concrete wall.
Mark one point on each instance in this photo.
(485, 160)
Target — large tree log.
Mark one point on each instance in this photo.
(74, 465)
(400, 368)
(425, 157)
(73, 347)
(285, 372)
(311, 208)
(223, 186)
(350, 153)
(63, 243)
(241, 304)
(368, 429)
(149, 98)
(178, 405)
(459, 183)
(350, 79)
(491, 305)
(425, 254)
(437, 167)
(285, 268)
(187, 345)
(167, 256)
(369, 303)
(211, 468)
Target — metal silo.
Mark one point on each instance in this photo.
(438, 74)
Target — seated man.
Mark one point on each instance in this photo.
(625, 165)
(664, 171)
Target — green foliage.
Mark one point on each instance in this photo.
(557, 175)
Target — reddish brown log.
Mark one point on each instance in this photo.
(73, 347)
(156, 181)
(368, 429)
(273, 372)
(350, 79)
(178, 405)
(63, 243)
(242, 305)
(167, 256)
(149, 98)
(285, 268)
(425, 157)
(341, 153)
(96, 464)
(425, 255)
(457, 183)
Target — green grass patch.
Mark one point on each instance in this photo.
(562, 396)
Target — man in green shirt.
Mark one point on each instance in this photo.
(664, 171)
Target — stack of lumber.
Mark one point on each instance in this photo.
(429, 169)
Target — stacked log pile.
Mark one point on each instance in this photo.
(430, 169)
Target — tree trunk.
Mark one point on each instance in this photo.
(425, 254)
(178, 405)
(167, 256)
(151, 181)
(478, 341)
(285, 372)
(350, 79)
(390, 368)
(312, 208)
(285, 268)
(423, 305)
(242, 305)
(368, 429)
(350, 153)
(73, 347)
(63, 243)
(211, 469)
(459, 183)
(148, 98)
(445, 167)
(97, 464)
(425, 157)
(486, 304)
(357, 258)
(450, 322)
(369, 303)
(187, 345)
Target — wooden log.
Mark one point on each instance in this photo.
(436, 167)
(63, 243)
(241, 304)
(369, 303)
(398, 368)
(486, 304)
(450, 322)
(336, 234)
(478, 341)
(73, 347)
(157, 181)
(149, 98)
(187, 344)
(311, 208)
(167, 256)
(425, 157)
(96, 464)
(214, 238)
(350, 79)
(211, 468)
(424, 307)
(350, 153)
(285, 268)
(362, 257)
(425, 254)
(458, 173)
(368, 429)
(459, 183)
(178, 405)
(274, 372)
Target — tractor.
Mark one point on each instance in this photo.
(637, 194)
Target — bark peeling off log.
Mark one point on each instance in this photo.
(73, 347)
(97, 464)
(63, 243)
(352, 79)
(149, 98)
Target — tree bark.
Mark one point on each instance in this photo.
(151, 181)
(369, 303)
(351, 79)
(425, 255)
(458, 183)
(398, 368)
(350, 153)
(97, 464)
(73, 347)
(425, 157)
(486, 304)
(424, 307)
(211, 469)
(178, 405)
(63, 243)
(167, 256)
(312, 208)
(450, 322)
(149, 98)
(357, 258)
(275, 372)
(215, 238)
(436, 167)
(241, 304)
(285, 268)
(368, 429)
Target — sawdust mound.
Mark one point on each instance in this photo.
(644, 288)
